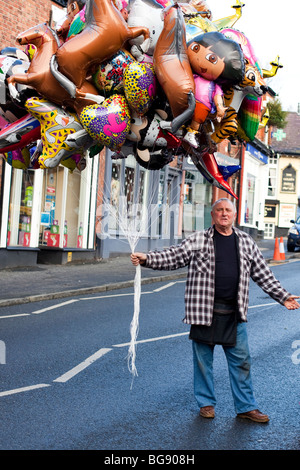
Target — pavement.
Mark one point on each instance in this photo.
(47, 281)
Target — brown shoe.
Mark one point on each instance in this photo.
(207, 412)
(254, 415)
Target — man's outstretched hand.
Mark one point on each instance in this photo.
(291, 303)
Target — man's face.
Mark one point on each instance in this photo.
(223, 214)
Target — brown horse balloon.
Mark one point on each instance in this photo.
(104, 34)
(39, 75)
(173, 69)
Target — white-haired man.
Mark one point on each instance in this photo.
(220, 260)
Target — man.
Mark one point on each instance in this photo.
(220, 262)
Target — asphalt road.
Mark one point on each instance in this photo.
(65, 384)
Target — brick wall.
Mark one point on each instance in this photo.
(18, 15)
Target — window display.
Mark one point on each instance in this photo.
(20, 208)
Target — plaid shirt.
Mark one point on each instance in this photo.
(198, 253)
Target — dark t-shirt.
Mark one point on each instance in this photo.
(226, 286)
(227, 268)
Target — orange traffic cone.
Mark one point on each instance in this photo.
(276, 255)
(281, 249)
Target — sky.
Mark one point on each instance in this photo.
(273, 29)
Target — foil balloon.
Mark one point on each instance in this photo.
(215, 57)
(104, 34)
(19, 134)
(30, 50)
(139, 86)
(109, 76)
(147, 13)
(75, 161)
(244, 42)
(229, 21)
(15, 52)
(39, 75)
(11, 64)
(35, 150)
(252, 84)
(109, 123)
(19, 158)
(75, 20)
(249, 105)
(249, 117)
(77, 25)
(206, 163)
(228, 171)
(172, 68)
(56, 126)
(202, 7)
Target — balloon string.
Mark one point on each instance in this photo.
(129, 226)
(134, 326)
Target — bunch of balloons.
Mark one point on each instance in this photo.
(152, 78)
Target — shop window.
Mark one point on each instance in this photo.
(129, 188)
(20, 208)
(128, 193)
(249, 204)
(273, 160)
(196, 202)
(272, 182)
(158, 215)
(52, 199)
(269, 231)
(75, 222)
(65, 212)
(142, 200)
(114, 194)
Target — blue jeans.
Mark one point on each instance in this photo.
(238, 360)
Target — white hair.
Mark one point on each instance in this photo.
(223, 199)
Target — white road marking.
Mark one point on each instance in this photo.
(113, 295)
(164, 287)
(42, 310)
(83, 365)
(264, 305)
(158, 338)
(23, 389)
(16, 315)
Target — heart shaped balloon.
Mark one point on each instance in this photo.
(108, 123)
(139, 86)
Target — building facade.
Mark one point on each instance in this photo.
(284, 178)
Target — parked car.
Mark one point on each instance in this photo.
(293, 240)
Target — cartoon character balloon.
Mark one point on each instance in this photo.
(56, 126)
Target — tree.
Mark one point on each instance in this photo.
(277, 115)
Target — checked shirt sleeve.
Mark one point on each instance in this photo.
(264, 277)
(174, 257)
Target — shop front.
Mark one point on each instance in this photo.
(254, 191)
(197, 199)
(47, 216)
(138, 203)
